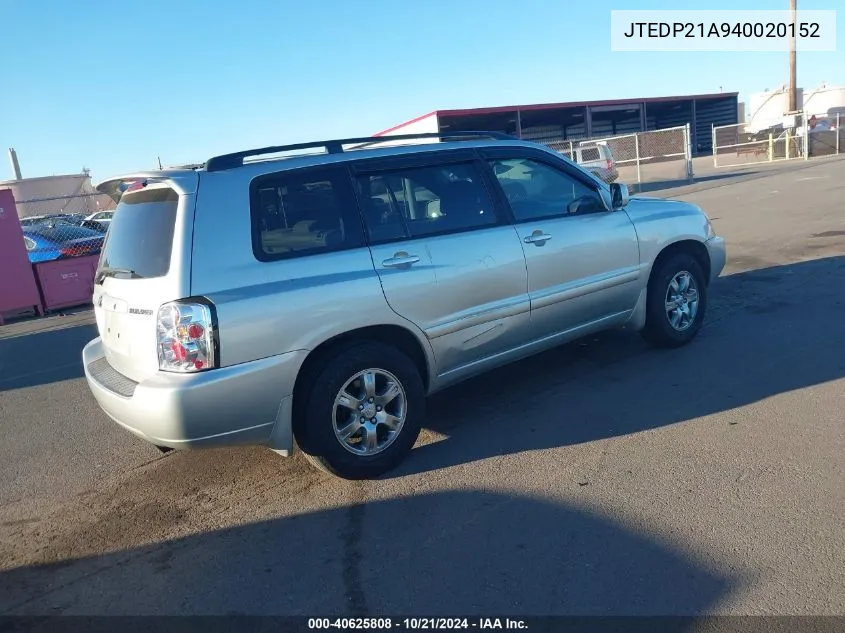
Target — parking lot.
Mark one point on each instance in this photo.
(603, 477)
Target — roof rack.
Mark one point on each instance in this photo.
(236, 159)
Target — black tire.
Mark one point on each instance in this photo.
(658, 329)
(314, 430)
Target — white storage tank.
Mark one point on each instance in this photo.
(766, 109)
(825, 101)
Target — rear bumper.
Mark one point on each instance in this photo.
(718, 256)
(242, 404)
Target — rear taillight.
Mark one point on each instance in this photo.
(186, 337)
(76, 251)
(609, 164)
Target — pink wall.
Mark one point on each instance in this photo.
(18, 290)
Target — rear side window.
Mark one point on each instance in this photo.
(140, 237)
(415, 202)
(304, 212)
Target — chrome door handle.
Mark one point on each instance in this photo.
(400, 260)
(538, 237)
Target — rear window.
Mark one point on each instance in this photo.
(590, 154)
(140, 236)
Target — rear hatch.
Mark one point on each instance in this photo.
(589, 155)
(145, 262)
(606, 154)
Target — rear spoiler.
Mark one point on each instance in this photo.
(183, 182)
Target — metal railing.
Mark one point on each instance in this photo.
(825, 134)
(641, 158)
(806, 136)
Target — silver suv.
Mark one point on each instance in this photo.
(316, 299)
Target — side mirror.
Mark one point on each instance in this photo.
(619, 195)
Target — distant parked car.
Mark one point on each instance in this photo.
(41, 219)
(48, 242)
(74, 219)
(103, 218)
(599, 160)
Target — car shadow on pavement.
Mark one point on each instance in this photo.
(456, 552)
(41, 358)
(767, 332)
(659, 185)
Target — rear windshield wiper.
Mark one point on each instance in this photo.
(109, 271)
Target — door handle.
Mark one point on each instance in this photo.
(400, 260)
(538, 238)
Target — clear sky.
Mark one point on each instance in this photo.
(110, 86)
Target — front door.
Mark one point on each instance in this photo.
(446, 260)
(582, 259)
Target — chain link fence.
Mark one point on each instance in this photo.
(61, 227)
(825, 134)
(804, 136)
(640, 160)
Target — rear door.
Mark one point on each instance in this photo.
(145, 262)
(446, 260)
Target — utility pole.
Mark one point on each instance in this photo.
(793, 91)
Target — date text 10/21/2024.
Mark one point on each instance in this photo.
(436, 624)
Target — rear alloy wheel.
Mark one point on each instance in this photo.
(676, 302)
(369, 412)
(363, 413)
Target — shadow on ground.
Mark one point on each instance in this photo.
(659, 185)
(767, 332)
(469, 552)
(41, 358)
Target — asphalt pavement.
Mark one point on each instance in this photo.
(603, 477)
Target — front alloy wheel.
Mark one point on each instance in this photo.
(682, 301)
(676, 301)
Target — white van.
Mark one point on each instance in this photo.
(597, 158)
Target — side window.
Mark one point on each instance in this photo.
(30, 243)
(415, 202)
(536, 190)
(303, 212)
